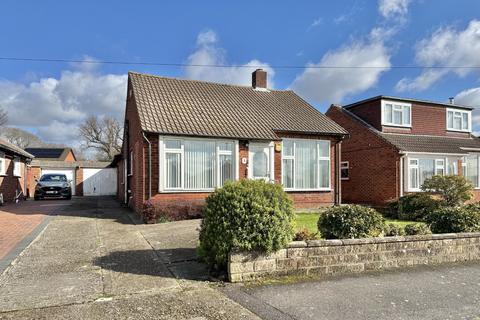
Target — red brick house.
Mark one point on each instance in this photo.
(13, 172)
(396, 143)
(184, 138)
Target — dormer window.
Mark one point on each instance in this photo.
(397, 114)
(459, 120)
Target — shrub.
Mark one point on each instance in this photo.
(415, 206)
(455, 219)
(149, 212)
(416, 229)
(393, 230)
(454, 190)
(305, 234)
(245, 215)
(350, 221)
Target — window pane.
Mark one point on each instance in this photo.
(288, 147)
(397, 117)
(457, 121)
(324, 174)
(426, 169)
(225, 146)
(452, 167)
(406, 115)
(324, 147)
(226, 168)
(388, 113)
(465, 121)
(173, 144)
(287, 168)
(472, 170)
(305, 166)
(450, 119)
(260, 162)
(199, 164)
(414, 178)
(173, 167)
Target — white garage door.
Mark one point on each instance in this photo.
(100, 182)
(70, 173)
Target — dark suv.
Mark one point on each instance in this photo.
(53, 186)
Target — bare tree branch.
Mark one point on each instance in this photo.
(104, 136)
(21, 138)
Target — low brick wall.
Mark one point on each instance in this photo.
(324, 257)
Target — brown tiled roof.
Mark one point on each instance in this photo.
(432, 144)
(5, 145)
(67, 165)
(421, 143)
(189, 107)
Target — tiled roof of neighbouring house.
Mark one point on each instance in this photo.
(50, 153)
(421, 143)
(189, 107)
(13, 148)
(73, 164)
(432, 144)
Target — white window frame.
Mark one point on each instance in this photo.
(271, 163)
(3, 164)
(461, 113)
(345, 165)
(441, 162)
(17, 167)
(396, 105)
(465, 169)
(319, 158)
(163, 170)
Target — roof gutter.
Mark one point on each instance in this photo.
(149, 166)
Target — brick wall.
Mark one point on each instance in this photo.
(327, 257)
(33, 173)
(10, 186)
(70, 157)
(374, 163)
(79, 182)
(370, 112)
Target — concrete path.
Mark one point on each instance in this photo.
(443, 292)
(91, 262)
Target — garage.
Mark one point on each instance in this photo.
(70, 173)
(99, 182)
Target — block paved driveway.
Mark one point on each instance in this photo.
(17, 221)
(92, 262)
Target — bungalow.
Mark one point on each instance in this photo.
(397, 143)
(184, 138)
(13, 172)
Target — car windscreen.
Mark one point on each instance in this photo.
(54, 178)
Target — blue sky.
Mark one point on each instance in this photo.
(50, 99)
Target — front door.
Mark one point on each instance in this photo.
(260, 161)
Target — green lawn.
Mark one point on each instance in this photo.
(309, 220)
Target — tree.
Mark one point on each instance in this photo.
(103, 135)
(21, 138)
(3, 116)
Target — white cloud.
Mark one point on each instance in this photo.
(446, 47)
(54, 107)
(332, 85)
(471, 98)
(209, 53)
(315, 23)
(395, 9)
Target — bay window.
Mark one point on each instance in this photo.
(470, 168)
(458, 120)
(396, 114)
(196, 164)
(422, 169)
(306, 164)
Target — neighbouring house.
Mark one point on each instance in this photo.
(184, 138)
(395, 144)
(87, 178)
(13, 172)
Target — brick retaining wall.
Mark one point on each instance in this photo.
(324, 257)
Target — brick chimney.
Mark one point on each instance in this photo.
(259, 79)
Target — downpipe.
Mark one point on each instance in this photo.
(149, 165)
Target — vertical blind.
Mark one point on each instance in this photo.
(197, 164)
(306, 164)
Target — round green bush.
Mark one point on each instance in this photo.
(413, 229)
(455, 219)
(393, 230)
(415, 206)
(245, 215)
(350, 221)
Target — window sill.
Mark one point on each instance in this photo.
(344, 179)
(461, 131)
(397, 126)
(309, 190)
(187, 191)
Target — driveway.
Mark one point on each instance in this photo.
(442, 292)
(92, 262)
